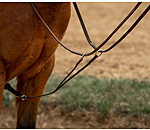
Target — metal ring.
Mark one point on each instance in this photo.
(23, 97)
(98, 52)
(82, 56)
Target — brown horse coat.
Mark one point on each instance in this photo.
(27, 51)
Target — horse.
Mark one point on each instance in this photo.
(27, 51)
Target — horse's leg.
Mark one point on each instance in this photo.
(27, 110)
(2, 81)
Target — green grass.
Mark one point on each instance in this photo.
(105, 95)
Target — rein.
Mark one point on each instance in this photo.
(98, 52)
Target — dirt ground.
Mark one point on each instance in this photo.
(54, 118)
(129, 59)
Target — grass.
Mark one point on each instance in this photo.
(105, 95)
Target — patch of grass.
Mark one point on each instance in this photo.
(106, 95)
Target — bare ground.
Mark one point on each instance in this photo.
(130, 59)
(54, 117)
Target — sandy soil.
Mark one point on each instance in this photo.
(130, 59)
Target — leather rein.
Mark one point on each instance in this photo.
(97, 51)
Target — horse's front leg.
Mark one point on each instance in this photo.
(27, 109)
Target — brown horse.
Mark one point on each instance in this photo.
(27, 51)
